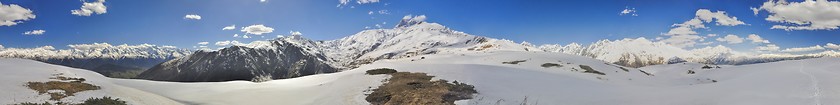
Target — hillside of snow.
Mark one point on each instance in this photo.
(17, 72)
(496, 79)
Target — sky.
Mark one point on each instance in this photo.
(187, 23)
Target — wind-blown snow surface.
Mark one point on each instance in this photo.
(792, 82)
(17, 72)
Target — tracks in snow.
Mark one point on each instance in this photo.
(815, 84)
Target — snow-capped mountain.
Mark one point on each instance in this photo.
(643, 52)
(103, 58)
(411, 37)
(258, 61)
(295, 55)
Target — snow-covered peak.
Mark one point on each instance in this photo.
(411, 21)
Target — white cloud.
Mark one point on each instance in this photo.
(246, 36)
(806, 15)
(383, 12)
(757, 39)
(235, 35)
(731, 39)
(720, 17)
(682, 41)
(370, 12)
(35, 32)
(767, 48)
(683, 34)
(630, 11)
(203, 43)
(712, 35)
(13, 14)
(832, 46)
(193, 16)
(295, 33)
(345, 2)
(89, 8)
(803, 49)
(231, 27)
(262, 1)
(258, 29)
(222, 43)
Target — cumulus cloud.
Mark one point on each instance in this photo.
(720, 17)
(805, 15)
(89, 8)
(203, 43)
(246, 36)
(235, 35)
(193, 17)
(712, 35)
(628, 11)
(757, 39)
(683, 34)
(832, 46)
(222, 43)
(295, 33)
(231, 27)
(803, 49)
(13, 14)
(767, 48)
(258, 29)
(731, 39)
(262, 1)
(35, 32)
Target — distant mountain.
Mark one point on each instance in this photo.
(642, 52)
(102, 58)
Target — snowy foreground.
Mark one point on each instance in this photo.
(794, 82)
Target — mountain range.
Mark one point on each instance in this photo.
(121, 61)
(295, 56)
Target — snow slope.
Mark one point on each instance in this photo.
(791, 82)
(17, 72)
(778, 83)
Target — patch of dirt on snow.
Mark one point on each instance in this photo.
(405, 88)
(66, 86)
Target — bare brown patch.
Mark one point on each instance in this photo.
(405, 88)
(69, 88)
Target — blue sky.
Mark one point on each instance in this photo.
(162, 22)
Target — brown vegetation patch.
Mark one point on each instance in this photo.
(380, 71)
(547, 65)
(514, 62)
(405, 88)
(68, 88)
